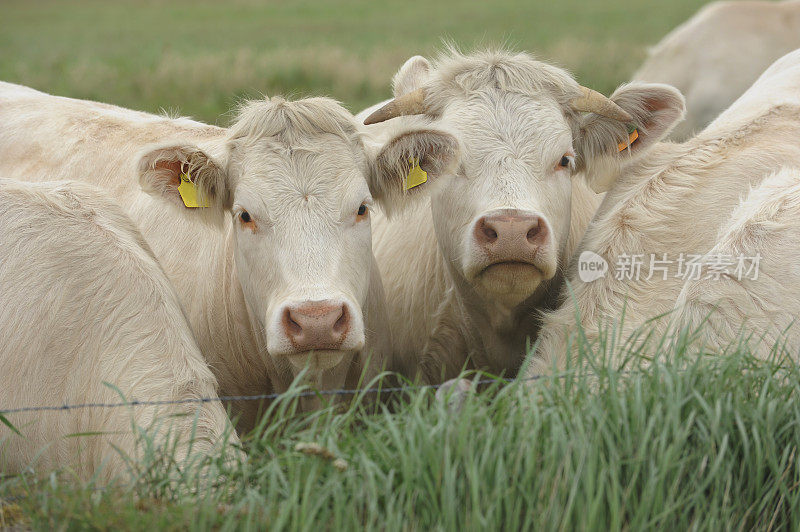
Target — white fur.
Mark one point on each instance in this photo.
(301, 171)
(84, 302)
(766, 225)
(718, 53)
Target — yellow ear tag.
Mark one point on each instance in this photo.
(416, 175)
(188, 192)
(631, 139)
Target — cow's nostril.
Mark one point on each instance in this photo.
(343, 322)
(487, 231)
(533, 232)
(291, 326)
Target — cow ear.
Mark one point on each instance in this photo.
(605, 145)
(409, 164)
(411, 75)
(186, 176)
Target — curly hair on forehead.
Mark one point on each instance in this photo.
(454, 73)
(290, 122)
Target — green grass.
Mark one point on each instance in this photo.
(199, 57)
(689, 441)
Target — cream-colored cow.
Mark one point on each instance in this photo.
(683, 200)
(85, 303)
(276, 274)
(466, 277)
(717, 54)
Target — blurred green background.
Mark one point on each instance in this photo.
(199, 58)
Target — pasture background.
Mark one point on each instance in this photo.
(198, 58)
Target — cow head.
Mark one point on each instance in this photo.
(527, 130)
(298, 185)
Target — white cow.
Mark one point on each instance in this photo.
(276, 274)
(465, 277)
(84, 302)
(764, 303)
(717, 54)
(681, 200)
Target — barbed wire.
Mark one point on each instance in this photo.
(261, 397)
(232, 398)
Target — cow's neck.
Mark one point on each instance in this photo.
(495, 332)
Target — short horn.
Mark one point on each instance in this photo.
(412, 103)
(591, 101)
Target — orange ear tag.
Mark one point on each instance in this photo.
(416, 175)
(188, 192)
(631, 139)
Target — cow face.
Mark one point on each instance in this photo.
(503, 218)
(299, 186)
(303, 244)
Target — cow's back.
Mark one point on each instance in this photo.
(45, 137)
(762, 299)
(85, 302)
(717, 54)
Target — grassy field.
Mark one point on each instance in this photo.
(696, 442)
(199, 57)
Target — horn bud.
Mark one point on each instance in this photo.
(591, 101)
(412, 103)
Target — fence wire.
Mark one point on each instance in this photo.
(234, 398)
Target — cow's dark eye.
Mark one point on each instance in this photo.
(362, 210)
(565, 160)
(245, 217)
